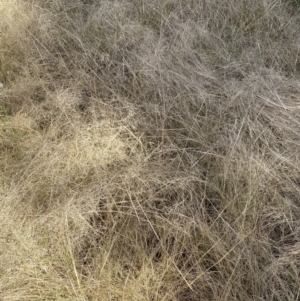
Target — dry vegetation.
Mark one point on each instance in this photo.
(149, 150)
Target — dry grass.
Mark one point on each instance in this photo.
(149, 150)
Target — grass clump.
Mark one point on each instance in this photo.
(149, 150)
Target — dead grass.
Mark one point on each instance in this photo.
(149, 150)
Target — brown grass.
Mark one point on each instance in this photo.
(149, 150)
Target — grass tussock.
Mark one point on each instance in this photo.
(149, 150)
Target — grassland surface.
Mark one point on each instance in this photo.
(150, 150)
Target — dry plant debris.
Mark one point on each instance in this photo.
(149, 150)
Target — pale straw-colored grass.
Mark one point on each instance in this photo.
(149, 150)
